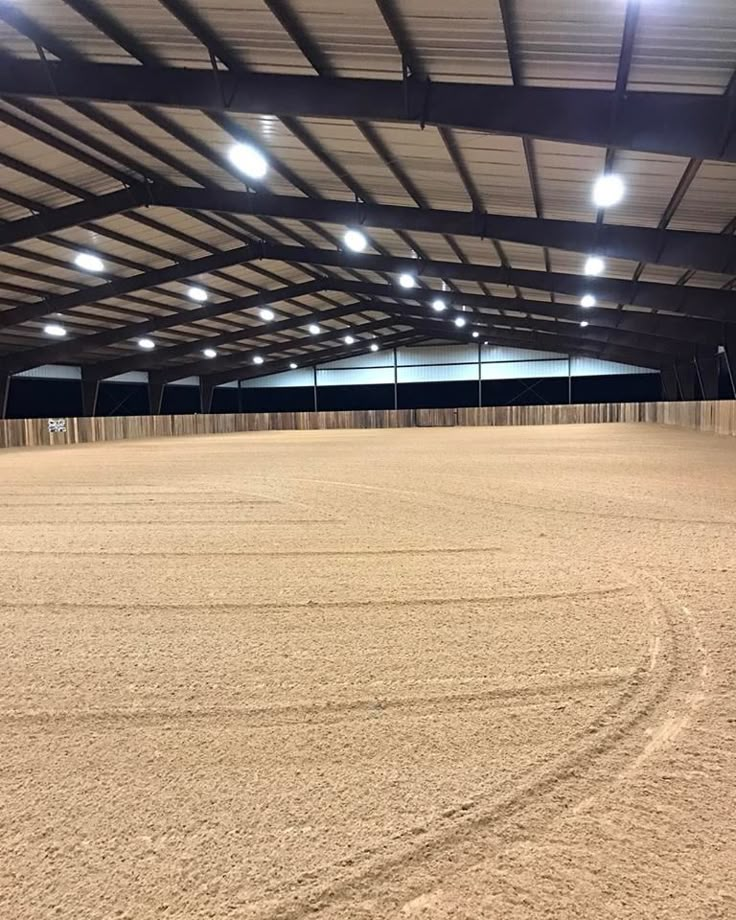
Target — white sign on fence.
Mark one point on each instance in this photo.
(57, 426)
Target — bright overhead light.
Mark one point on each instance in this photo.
(89, 262)
(258, 359)
(374, 347)
(485, 343)
(438, 305)
(197, 293)
(407, 281)
(293, 366)
(146, 344)
(588, 301)
(209, 353)
(55, 330)
(459, 321)
(355, 240)
(314, 329)
(349, 340)
(248, 160)
(594, 266)
(476, 334)
(267, 314)
(608, 190)
(584, 323)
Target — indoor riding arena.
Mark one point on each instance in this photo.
(368, 460)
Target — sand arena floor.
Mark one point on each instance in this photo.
(434, 673)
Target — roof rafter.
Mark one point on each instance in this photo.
(711, 252)
(678, 124)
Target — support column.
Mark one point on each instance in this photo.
(668, 377)
(314, 386)
(90, 393)
(480, 377)
(4, 394)
(730, 345)
(685, 371)
(206, 394)
(707, 366)
(396, 381)
(155, 395)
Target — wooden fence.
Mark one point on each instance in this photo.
(718, 417)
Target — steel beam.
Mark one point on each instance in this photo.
(62, 303)
(90, 394)
(4, 394)
(701, 331)
(706, 362)
(705, 251)
(679, 124)
(685, 371)
(668, 377)
(106, 369)
(65, 351)
(685, 249)
(551, 343)
(155, 396)
(710, 303)
(200, 368)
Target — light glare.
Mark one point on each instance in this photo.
(594, 266)
(89, 262)
(209, 353)
(293, 366)
(267, 314)
(258, 359)
(146, 344)
(608, 190)
(588, 301)
(197, 293)
(355, 240)
(438, 305)
(349, 340)
(314, 329)
(584, 323)
(248, 160)
(374, 347)
(55, 330)
(407, 281)
(459, 321)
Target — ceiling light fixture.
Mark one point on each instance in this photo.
(374, 347)
(594, 266)
(258, 359)
(459, 321)
(407, 281)
(246, 159)
(209, 353)
(197, 293)
(293, 366)
(266, 314)
(355, 240)
(55, 330)
(146, 344)
(438, 305)
(588, 301)
(584, 323)
(314, 329)
(608, 190)
(476, 334)
(349, 340)
(89, 262)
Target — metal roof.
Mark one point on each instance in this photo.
(434, 126)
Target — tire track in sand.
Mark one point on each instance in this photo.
(376, 882)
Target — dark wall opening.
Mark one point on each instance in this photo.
(32, 397)
(278, 399)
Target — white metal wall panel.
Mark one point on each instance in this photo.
(303, 377)
(370, 359)
(185, 382)
(355, 377)
(52, 372)
(129, 377)
(499, 353)
(519, 370)
(440, 373)
(437, 354)
(594, 367)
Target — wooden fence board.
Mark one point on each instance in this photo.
(718, 417)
